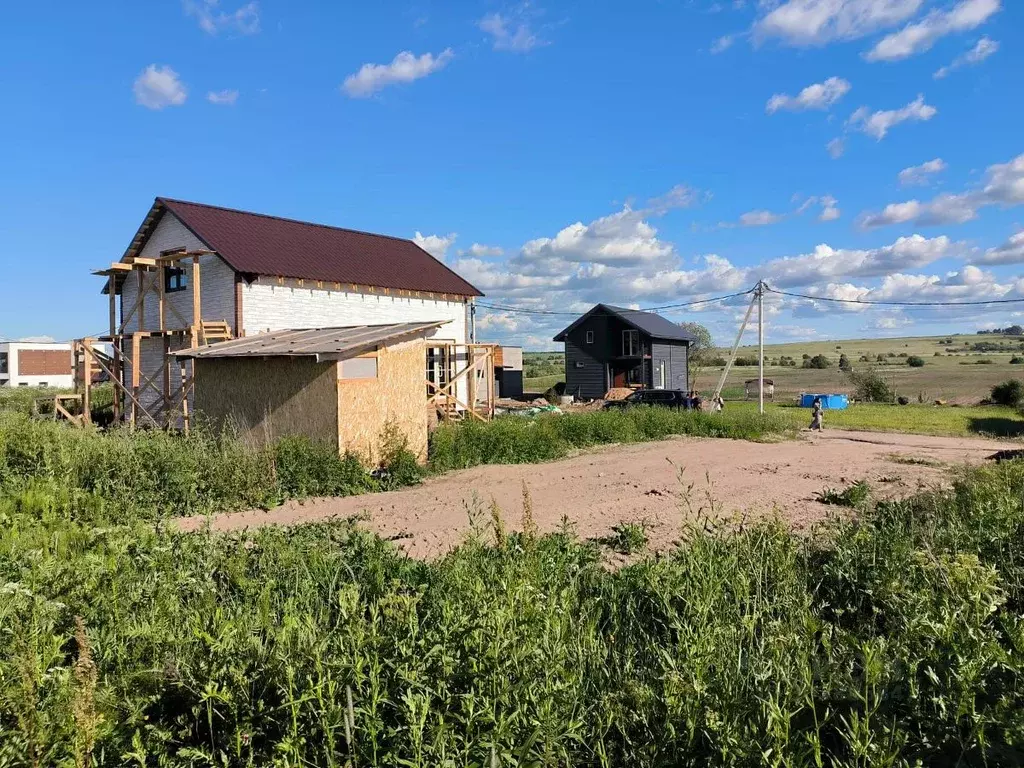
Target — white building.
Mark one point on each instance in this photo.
(259, 273)
(35, 364)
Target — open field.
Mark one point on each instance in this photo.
(640, 484)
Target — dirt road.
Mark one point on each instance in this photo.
(641, 482)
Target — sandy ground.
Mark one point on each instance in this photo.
(657, 483)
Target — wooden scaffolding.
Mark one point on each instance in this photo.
(460, 380)
(168, 407)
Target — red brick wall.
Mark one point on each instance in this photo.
(44, 362)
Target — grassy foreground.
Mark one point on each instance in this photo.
(519, 440)
(895, 639)
(976, 421)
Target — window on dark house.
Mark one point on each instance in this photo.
(590, 337)
(175, 279)
(630, 343)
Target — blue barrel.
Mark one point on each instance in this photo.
(833, 402)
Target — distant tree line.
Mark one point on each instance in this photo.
(1013, 330)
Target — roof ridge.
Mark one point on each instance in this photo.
(285, 219)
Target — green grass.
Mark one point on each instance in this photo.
(541, 384)
(157, 473)
(518, 440)
(986, 421)
(891, 639)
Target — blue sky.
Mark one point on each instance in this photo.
(556, 154)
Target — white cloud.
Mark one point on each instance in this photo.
(760, 218)
(1003, 185)
(477, 250)
(1010, 252)
(619, 238)
(37, 339)
(827, 263)
(227, 98)
(489, 320)
(509, 34)
(723, 43)
(829, 209)
(981, 51)
(436, 245)
(244, 20)
(878, 124)
(919, 174)
(836, 148)
(680, 196)
(815, 96)
(920, 36)
(159, 87)
(816, 22)
(404, 68)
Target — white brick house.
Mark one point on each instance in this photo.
(260, 273)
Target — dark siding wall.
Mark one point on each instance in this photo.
(675, 357)
(588, 381)
(510, 383)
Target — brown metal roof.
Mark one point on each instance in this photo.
(257, 244)
(321, 343)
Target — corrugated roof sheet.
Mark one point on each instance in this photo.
(654, 325)
(258, 244)
(322, 343)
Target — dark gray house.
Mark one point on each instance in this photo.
(615, 347)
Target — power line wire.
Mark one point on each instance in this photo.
(897, 303)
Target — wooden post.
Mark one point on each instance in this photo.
(197, 302)
(161, 296)
(136, 360)
(111, 287)
(184, 395)
(85, 351)
(141, 324)
(167, 381)
(115, 374)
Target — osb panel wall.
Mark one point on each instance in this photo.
(398, 395)
(268, 398)
(44, 362)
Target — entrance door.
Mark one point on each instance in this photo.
(618, 377)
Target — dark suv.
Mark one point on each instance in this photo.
(667, 398)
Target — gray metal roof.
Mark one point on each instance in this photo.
(655, 326)
(321, 343)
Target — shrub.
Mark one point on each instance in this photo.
(1010, 392)
(1016, 360)
(871, 387)
(844, 363)
(718, 362)
(818, 361)
(915, 362)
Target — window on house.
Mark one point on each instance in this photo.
(630, 343)
(22, 383)
(359, 368)
(175, 279)
(44, 383)
(3, 362)
(590, 337)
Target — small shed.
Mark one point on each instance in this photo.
(339, 386)
(750, 385)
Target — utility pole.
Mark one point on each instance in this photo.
(760, 346)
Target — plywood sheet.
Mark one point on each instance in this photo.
(397, 396)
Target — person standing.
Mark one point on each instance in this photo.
(817, 415)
